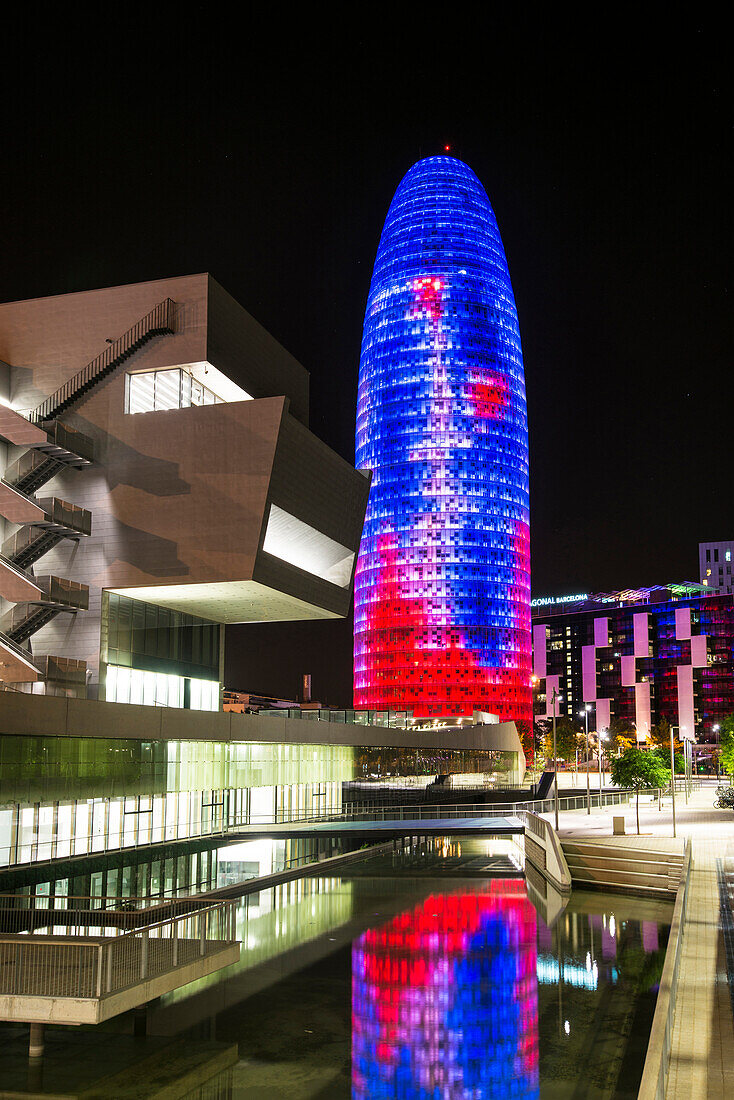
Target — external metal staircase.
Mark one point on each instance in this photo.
(31, 542)
(65, 447)
(159, 322)
(43, 524)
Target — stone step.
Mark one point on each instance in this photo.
(639, 889)
(620, 851)
(618, 863)
(620, 878)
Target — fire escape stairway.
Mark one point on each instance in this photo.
(159, 322)
(42, 525)
(54, 596)
(31, 542)
(53, 447)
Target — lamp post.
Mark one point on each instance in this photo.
(602, 739)
(585, 714)
(555, 699)
(672, 775)
(716, 729)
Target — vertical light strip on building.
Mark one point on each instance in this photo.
(442, 590)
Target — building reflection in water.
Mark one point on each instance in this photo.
(445, 999)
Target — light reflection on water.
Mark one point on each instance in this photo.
(445, 999)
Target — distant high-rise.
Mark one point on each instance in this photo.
(715, 565)
(442, 590)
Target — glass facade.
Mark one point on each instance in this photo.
(442, 589)
(569, 633)
(157, 656)
(76, 796)
(72, 796)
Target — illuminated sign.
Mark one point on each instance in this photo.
(549, 601)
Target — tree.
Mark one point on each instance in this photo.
(622, 735)
(643, 771)
(660, 737)
(663, 754)
(525, 733)
(726, 740)
(567, 738)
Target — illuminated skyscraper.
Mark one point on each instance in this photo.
(442, 590)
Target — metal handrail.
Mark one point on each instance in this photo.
(158, 321)
(88, 968)
(8, 642)
(33, 914)
(195, 829)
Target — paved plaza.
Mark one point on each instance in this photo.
(702, 1060)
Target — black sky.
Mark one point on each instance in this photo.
(267, 151)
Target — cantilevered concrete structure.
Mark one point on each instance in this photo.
(158, 480)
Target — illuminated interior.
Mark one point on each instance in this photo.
(132, 685)
(181, 387)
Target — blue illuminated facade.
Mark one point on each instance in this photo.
(442, 589)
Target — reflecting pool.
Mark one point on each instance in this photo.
(441, 975)
(445, 998)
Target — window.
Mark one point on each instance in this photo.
(158, 390)
(708, 555)
(716, 555)
(727, 555)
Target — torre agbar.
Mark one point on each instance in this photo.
(442, 588)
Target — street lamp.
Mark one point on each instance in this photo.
(555, 699)
(585, 714)
(672, 774)
(602, 738)
(716, 729)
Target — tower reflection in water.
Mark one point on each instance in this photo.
(445, 999)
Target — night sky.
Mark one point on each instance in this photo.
(267, 152)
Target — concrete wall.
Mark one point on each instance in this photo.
(47, 340)
(49, 716)
(243, 350)
(180, 497)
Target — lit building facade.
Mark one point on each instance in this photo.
(640, 654)
(442, 590)
(167, 488)
(715, 565)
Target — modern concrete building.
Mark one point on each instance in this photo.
(159, 480)
(715, 565)
(639, 654)
(105, 781)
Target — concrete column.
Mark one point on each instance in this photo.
(35, 1046)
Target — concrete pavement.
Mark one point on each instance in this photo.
(702, 1058)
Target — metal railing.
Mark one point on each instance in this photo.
(17, 650)
(45, 849)
(57, 966)
(159, 321)
(70, 915)
(659, 1047)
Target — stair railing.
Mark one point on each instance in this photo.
(160, 320)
